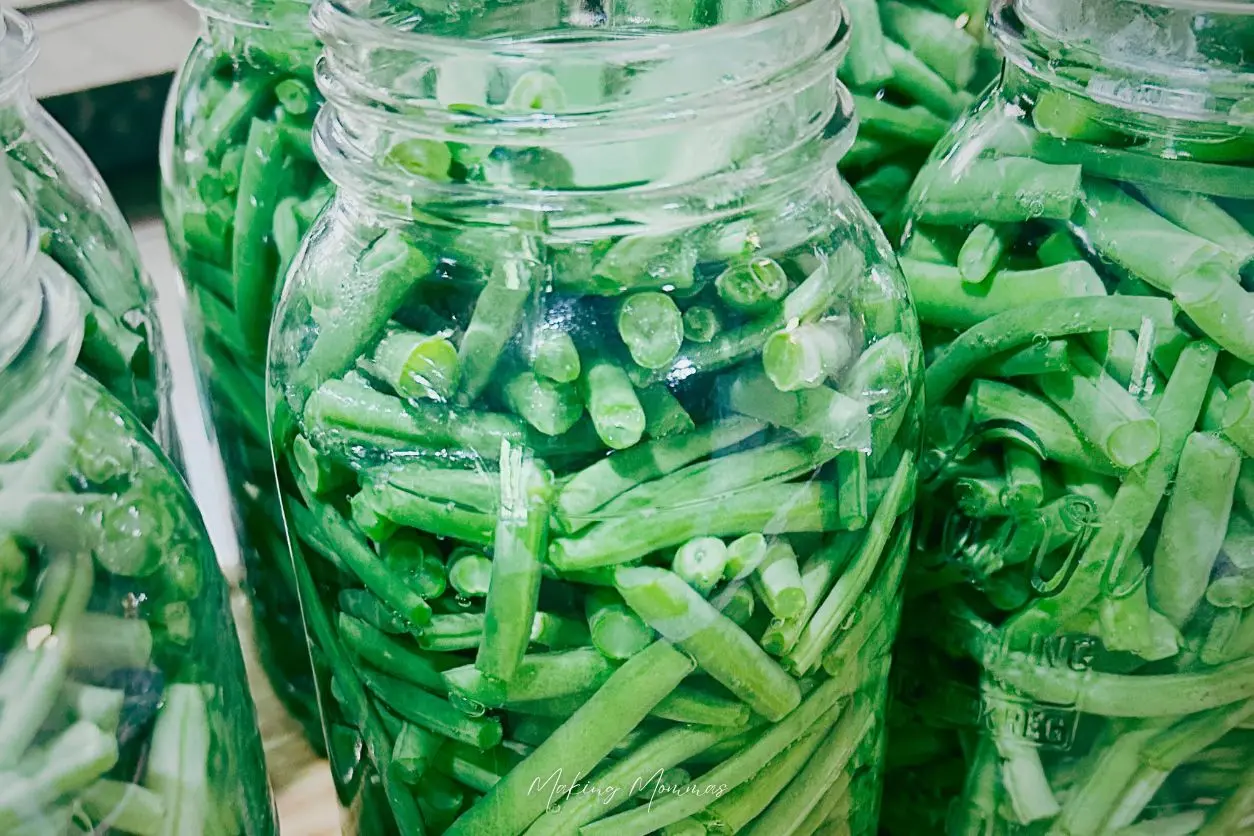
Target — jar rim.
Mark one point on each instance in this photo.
(662, 201)
(256, 14)
(1142, 83)
(333, 16)
(366, 110)
(18, 47)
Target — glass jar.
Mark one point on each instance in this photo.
(240, 186)
(1079, 249)
(913, 66)
(84, 233)
(599, 383)
(123, 702)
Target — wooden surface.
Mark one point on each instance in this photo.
(302, 783)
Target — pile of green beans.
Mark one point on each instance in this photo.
(913, 67)
(604, 534)
(1086, 552)
(240, 188)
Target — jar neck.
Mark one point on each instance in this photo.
(530, 107)
(41, 329)
(18, 46)
(1156, 61)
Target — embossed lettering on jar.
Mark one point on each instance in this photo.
(600, 385)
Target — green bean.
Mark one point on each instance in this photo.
(945, 298)
(722, 649)
(519, 545)
(1048, 320)
(950, 51)
(1193, 526)
(579, 744)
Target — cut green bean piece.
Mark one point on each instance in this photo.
(721, 648)
(950, 51)
(254, 212)
(701, 324)
(804, 357)
(753, 286)
(866, 66)
(415, 365)
(999, 404)
(498, 311)
(539, 676)
(1193, 526)
(616, 631)
(651, 325)
(823, 413)
(700, 562)
(980, 253)
(744, 555)
(469, 573)
(945, 298)
(519, 545)
(1102, 410)
(777, 580)
(552, 408)
(612, 404)
(1001, 190)
(554, 355)
(1202, 216)
(664, 415)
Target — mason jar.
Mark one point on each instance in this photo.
(123, 701)
(598, 385)
(239, 188)
(1079, 250)
(83, 231)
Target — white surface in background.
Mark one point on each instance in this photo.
(304, 792)
(90, 44)
(204, 467)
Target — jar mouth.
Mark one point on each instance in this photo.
(18, 46)
(257, 14)
(680, 204)
(582, 115)
(630, 37)
(1176, 59)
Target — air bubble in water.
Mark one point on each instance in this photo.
(467, 706)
